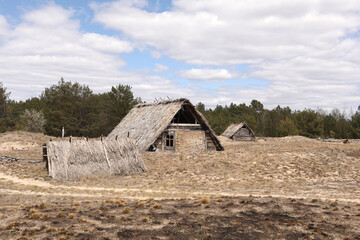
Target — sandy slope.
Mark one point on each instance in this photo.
(289, 166)
(304, 189)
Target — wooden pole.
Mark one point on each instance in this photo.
(45, 158)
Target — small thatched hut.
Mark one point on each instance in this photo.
(171, 126)
(79, 158)
(239, 132)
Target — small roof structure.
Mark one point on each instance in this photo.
(147, 121)
(234, 128)
(79, 158)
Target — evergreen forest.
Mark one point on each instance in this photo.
(84, 113)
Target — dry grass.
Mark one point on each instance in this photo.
(231, 203)
(126, 210)
(205, 200)
(263, 218)
(156, 205)
(145, 219)
(76, 203)
(303, 171)
(296, 165)
(139, 204)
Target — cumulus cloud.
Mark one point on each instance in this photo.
(106, 43)
(233, 32)
(206, 74)
(48, 44)
(50, 15)
(308, 50)
(160, 68)
(157, 87)
(4, 27)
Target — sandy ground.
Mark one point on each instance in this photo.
(275, 188)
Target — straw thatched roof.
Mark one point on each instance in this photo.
(68, 160)
(147, 121)
(233, 128)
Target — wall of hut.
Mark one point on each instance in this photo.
(186, 138)
(244, 134)
(190, 141)
(210, 146)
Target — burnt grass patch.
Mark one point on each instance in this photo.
(245, 218)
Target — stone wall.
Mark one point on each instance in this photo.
(190, 141)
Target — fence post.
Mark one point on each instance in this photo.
(45, 157)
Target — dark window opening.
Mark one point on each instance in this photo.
(184, 116)
(169, 140)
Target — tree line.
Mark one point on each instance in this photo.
(282, 121)
(70, 105)
(83, 113)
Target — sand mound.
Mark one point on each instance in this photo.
(21, 140)
(291, 139)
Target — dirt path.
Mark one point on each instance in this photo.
(101, 191)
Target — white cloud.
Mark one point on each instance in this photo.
(160, 68)
(4, 26)
(50, 15)
(36, 55)
(48, 44)
(233, 32)
(206, 74)
(106, 43)
(308, 50)
(157, 87)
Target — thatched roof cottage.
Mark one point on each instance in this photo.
(79, 158)
(170, 126)
(239, 132)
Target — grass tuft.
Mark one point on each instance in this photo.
(76, 203)
(139, 205)
(207, 236)
(145, 219)
(156, 205)
(42, 206)
(60, 215)
(126, 210)
(205, 200)
(231, 203)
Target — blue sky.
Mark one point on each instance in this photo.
(302, 54)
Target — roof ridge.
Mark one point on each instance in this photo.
(162, 102)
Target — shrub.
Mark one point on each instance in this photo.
(32, 121)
